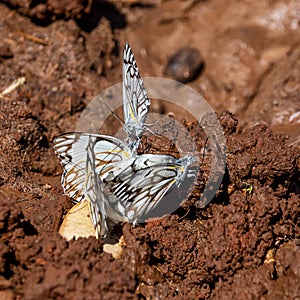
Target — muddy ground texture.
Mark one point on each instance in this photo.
(245, 243)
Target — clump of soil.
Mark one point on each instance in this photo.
(44, 12)
(235, 232)
(175, 256)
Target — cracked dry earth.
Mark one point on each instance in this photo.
(245, 243)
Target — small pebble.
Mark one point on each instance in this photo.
(185, 65)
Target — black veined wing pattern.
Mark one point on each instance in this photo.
(93, 191)
(135, 99)
(71, 150)
(145, 180)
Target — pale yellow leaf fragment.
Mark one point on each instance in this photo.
(77, 223)
(116, 249)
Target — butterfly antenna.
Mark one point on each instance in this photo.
(116, 116)
(151, 124)
(146, 128)
(113, 113)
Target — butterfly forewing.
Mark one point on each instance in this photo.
(135, 99)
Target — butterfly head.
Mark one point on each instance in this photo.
(186, 160)
(185, 163)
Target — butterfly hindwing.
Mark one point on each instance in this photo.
(93, 192)
(145, 181)
(71, 150)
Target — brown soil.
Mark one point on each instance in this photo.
(245, 243)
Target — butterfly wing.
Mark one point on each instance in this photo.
(141, 185)
(71, 150)
(135, 99)
(93, 192)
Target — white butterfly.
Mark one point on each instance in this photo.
(135, 99)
